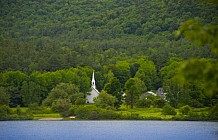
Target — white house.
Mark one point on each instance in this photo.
(93, 93)
(159, 92)
(145, 95)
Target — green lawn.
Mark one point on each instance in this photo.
(23, 109)
(156, 113)
(37, 116)
(53, 115)
(145, 113)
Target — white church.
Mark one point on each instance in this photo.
(93, 93)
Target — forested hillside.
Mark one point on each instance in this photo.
(56, 34)
(47, 42)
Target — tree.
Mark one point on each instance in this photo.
(63, 91)
(147, 73)
(105, 100)
(114, 88)
(134, 68)
(134, 87)
(31, 93)
(175, 91)
(4, 98)
(15, 96)
(13, 80)
(121, 70)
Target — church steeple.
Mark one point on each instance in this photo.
(93, 80)
(94, 92)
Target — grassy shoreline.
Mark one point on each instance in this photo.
(139, 114)
(90, 112)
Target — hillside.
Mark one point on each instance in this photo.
(57, 34)
(48, 43)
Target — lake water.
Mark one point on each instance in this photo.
(108, 130)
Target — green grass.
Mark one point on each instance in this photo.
(52, 115)
(156, 113)
(145, 113)
(39, 115)
(23, 109)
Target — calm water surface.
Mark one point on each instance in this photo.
(108, 130)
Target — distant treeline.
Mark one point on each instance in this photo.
(25, 89)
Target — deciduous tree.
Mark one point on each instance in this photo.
(134, 87)
(105, 100)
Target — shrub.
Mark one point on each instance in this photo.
(35, 108)
(80, 101)
(62, 106)
(160, 102)
(87, 112)
(92, 113)
(144, 103)
(151, 100)
(5, 111)
(18, 110)
(47, 110)
(185, 110)
(195, 104)
(108, 114)
(168, 110)
(214, 113)
(72, 110)
(194, 116)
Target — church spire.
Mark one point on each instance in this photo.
(93, 80)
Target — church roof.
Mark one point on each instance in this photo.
(95, 89)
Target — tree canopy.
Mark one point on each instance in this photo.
(52, 47)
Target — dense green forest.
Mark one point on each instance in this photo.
(52, 46)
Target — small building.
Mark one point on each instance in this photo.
(93, 93)
(159, 92)
(145, 95)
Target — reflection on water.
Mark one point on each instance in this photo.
(108, 130)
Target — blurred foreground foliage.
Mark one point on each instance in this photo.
(205, 70)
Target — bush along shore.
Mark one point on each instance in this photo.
(91, 112)
(7, 113)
